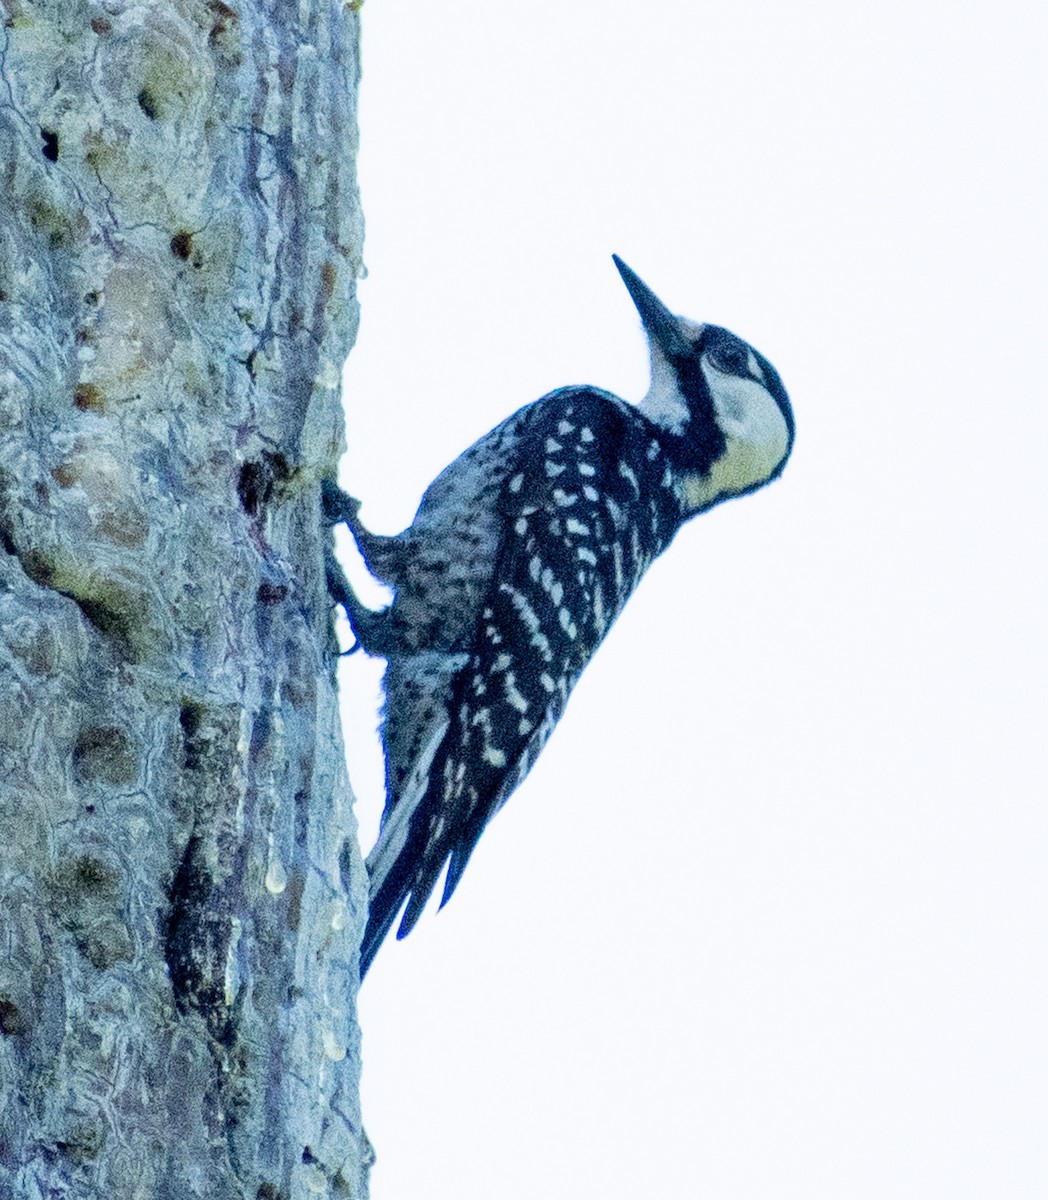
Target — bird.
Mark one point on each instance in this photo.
(522, 553)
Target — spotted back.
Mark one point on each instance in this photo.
(590, 504)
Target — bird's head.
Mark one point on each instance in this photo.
(721, 403)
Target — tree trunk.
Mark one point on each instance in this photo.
(181, 894)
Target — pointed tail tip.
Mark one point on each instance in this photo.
(456, 867)
(385, 903)
(411, 913)
(375, 933)
(367, 955)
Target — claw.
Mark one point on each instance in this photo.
(383, 556)
(338, 505)
(371, 629)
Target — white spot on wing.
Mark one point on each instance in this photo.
(530, 619)
(514, 696)
(599, 619)
(616, 558)
(627, 473)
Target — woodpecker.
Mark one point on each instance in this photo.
(521, 555)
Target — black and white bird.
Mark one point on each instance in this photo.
(521, 555)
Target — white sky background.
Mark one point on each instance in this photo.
(769, 917)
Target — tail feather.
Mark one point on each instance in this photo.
(394, 863)
(427, 872)
(465, 844)
(409, 874)
(383, 907)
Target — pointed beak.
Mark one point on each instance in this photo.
(662, 326)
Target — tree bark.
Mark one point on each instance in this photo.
(181, 894)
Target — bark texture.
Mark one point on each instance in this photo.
(181, 894)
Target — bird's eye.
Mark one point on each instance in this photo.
(730, 357)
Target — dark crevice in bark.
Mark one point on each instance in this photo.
(50, 140)
(196, 938)
(258, 480)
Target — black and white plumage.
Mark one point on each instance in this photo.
(521, 555)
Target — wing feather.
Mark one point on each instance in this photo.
(582, 515)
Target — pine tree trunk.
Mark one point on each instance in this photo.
(181, 895)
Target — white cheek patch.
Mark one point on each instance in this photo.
(757, 435)
(743, 405)
(743, 466)
(745, 408)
